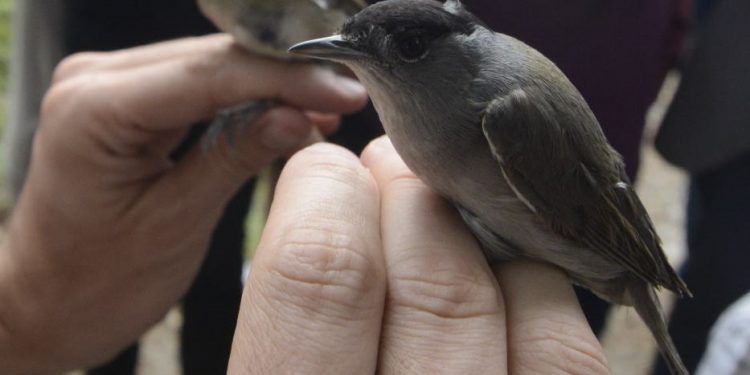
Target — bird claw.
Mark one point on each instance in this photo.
(231, 121)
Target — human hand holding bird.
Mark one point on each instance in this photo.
(268, 28)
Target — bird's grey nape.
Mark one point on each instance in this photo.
(230, 122)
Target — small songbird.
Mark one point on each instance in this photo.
(497, 128)
(269, 28)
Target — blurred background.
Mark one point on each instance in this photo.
(5, 17)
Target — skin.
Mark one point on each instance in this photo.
(361, 267)
(108, 234)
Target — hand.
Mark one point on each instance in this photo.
(363, 269)
(108, 232)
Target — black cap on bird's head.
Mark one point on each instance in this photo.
(392, 32)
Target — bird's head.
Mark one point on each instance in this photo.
(270, 27)
(397, 40)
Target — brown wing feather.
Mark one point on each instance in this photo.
(550, 159)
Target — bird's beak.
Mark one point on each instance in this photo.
(329, 48)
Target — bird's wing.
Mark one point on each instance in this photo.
(347, 6)
(567, 174)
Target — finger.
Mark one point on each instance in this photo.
(313, 138)
(178, 92)
(322, 126)
(327, 123)
(208, 177)
(547, 331)
(96, 62)
(444, 311)
(313, 303)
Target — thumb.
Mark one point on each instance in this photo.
(207, 178)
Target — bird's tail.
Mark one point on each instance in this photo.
(649, 308)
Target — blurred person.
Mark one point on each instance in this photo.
(707, 132)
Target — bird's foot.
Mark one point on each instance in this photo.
(230, 121)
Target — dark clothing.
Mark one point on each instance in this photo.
(708, 123)
(109, 25)
(707, 132)
(718, 255)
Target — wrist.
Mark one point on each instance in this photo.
(62, 306)
(22, 333)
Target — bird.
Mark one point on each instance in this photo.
(497, 129)
(268, 28)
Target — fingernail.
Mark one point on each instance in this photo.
(383, 144)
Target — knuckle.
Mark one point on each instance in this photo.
(403, 180)
(448, 291)
(211, 72)
(64, 98)
(560, 350)
(322, 268)
(74, 65)
(68, 108)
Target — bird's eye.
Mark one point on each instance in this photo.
(412, 48)
(267, 35)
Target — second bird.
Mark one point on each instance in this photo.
(270, 27)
